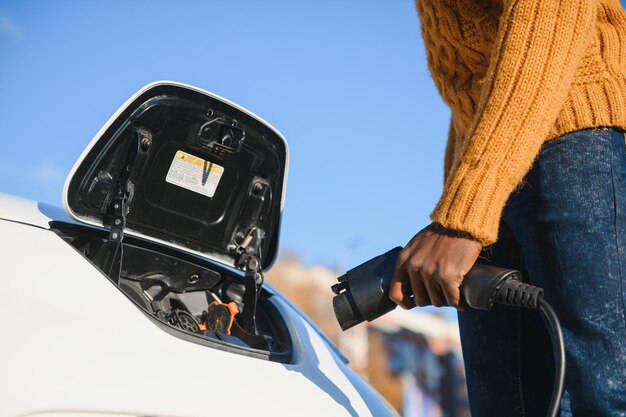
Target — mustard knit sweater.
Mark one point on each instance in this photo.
(517, 73)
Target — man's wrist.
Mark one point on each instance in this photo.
(441, 230)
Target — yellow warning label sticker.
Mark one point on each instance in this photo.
(194, 174)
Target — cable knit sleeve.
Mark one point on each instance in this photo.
(449, 153)
(539, 46)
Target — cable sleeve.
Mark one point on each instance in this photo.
(558, 347)
(518, 294)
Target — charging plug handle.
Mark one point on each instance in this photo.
(486, 285)
(362, 294)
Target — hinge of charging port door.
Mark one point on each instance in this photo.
(253, 281)
(111, 253)
(250, 245)
(249, 257)
(247, 243)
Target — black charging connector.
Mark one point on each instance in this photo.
(486, 286)
(362, 294)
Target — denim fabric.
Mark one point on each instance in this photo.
(565, 228)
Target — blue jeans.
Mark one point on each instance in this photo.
(565, 228)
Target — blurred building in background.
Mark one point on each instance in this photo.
(412, 358)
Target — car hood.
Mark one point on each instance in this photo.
(193, 170)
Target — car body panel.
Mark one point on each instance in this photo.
(78, 344)
(26, 211)
(74, 344)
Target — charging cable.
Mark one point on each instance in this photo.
(362, 293)
(487, 286)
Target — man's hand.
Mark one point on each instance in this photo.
(431, 267)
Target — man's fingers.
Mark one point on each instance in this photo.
(435, 293)
(431, 280)
(420, 294)
(431, 266)
(452, 294)
(400, 290)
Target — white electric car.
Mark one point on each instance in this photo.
(146, 297)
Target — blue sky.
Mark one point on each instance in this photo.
(346, 83)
